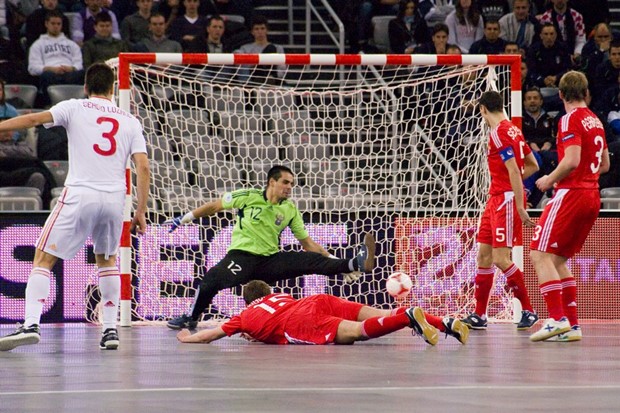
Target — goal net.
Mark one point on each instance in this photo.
(392, 145)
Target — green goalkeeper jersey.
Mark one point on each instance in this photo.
(260, 223)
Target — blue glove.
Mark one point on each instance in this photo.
(174, 223)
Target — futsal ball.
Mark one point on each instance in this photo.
(398, 285)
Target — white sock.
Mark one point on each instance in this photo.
(110, 289)
(37, 290)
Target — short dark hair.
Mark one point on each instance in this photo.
(259, 20)
(276, 172)
(615, 44)
(103, 16)
(215, 17)
(254, 290)
(53, 13)
(533, 89)
(99, 79)
(491, 21)
(156, 14)
(492, 101)
(441, 27)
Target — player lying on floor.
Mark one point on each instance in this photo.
(276, 318)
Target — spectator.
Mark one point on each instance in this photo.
(606, 73)
(70, 6)
(593, 12)
(261, 44)
(568, 24)
(211, 41)
(368, 9)
(548, 59)
(538, 130)
(493, 9)
(158, 42)
(438, 43)
(35, 23)
(408, 29)
(54, 58)
(102, 46)
(187, 27)
(527, 81)
(465, 25)
(518, 26)
(11, 65)
(596, 50)
(135, 27)
(511, 48)
(170, 9)
(83, 27)
(491, 43)
(435, 11)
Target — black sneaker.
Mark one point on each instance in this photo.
(366, 255)
(185, 321)
(21, 337)
(475, 322)
(420, 326)
(528, 319)
(456, 328)
(110, 340)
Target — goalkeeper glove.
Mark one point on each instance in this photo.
(180, 220)
(351, 277)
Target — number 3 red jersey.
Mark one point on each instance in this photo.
(506, 141)
(581, 127)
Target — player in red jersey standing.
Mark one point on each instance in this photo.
(510, 161)
(321, 319)
(569, 217)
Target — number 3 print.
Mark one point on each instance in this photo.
(107, 135)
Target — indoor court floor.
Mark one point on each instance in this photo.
(499, 370)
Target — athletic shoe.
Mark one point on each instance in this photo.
(185, 321)
(573, 335)
(366, 255)
(456, 328)
(475, 322)
(528, 319)
(420, 326)
(110, 340)
(551, 328)
(21, 337)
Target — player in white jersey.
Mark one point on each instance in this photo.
(101, 139)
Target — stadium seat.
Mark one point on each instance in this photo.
(19, 191)
(59, 170)
(549, 91)
(610, 198)
(20, 203)
(25, 93)
(59, 93)
(233, 18)
(380, 36)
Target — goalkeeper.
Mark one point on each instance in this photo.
(254, 252)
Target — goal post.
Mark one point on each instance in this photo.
(386, 143)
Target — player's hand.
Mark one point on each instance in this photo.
(351, 277)
(183, 334)
(174, 223)
(138, 224)
(248, 337)
(525, 218)
(544, 183)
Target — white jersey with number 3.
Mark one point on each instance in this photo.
(101, 138)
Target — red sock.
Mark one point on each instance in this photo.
(569, 300)
(484, 283)
(435, 321)
(398, 310)
(552, 293)
(380, 326)
(514, 280)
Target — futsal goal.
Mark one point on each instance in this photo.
(391, 144)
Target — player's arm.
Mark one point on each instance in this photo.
(143, 172)
(310, 245)
(208, 209)
(516, 182)
(26, 121)
(572, 157)
(605, 165)
(202, 336)
(530, 167)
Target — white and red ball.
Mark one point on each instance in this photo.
(398, 285)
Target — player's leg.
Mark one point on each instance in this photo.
(236, 268)
(569, 302)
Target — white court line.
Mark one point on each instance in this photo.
(312, 389)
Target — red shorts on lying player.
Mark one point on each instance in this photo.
(280, 319)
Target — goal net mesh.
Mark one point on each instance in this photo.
(399, 151)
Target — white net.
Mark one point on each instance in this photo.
(399, 151)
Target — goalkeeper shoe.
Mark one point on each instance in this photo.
(475, 322)
(185, 321)
(366, 255)
(21, 337)
(551, 328)
(110, 340)
(421, 327)
(528, 319)
(456, 328)
(573, 335)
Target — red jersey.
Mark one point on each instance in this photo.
(264, 319)
(582, 127)
(505, 142)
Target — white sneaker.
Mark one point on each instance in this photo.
(573, 335)
(551, 328)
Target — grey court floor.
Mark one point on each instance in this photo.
(499, 370)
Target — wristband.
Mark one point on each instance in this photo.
(189, 217)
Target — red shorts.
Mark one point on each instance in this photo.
(500, 224)
(316, 321)
(566, 222)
